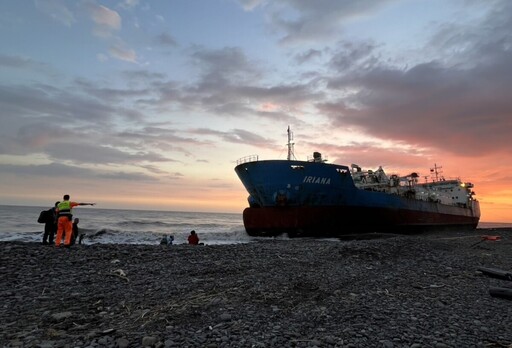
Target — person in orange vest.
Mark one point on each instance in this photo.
(64, 222)
(193, 239)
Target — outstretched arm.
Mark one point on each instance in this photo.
(86, 203)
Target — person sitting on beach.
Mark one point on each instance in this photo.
(81, 237)
(167, 240)
(193, 239)
(76, 233)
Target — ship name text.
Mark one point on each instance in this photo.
(316, 180)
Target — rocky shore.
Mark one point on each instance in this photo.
(394, 291)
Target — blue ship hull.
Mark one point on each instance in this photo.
(303, 198)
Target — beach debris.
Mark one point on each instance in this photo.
(119, 273)
(496, 291)
(497, 344)
(501, 292)
(487, 238)
(431, 286)
(496, 273)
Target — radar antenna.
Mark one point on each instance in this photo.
(291, 154)
(435, 171)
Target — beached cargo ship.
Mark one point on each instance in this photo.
(316, 198)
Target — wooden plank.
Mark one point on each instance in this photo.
(501, 292)
(496, 273)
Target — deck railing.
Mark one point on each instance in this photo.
(250, 158)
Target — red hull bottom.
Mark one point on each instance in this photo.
(339, 221)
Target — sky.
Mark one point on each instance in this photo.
(139, 104)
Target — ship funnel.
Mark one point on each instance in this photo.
(317, 157)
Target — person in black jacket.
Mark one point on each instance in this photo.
(50, 225)
(76, 233)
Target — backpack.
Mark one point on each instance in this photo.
(45, 216)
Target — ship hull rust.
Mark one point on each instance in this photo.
(335, 221)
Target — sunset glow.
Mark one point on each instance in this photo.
(149, 104)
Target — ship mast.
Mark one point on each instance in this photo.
(291, 154)
(435, 171)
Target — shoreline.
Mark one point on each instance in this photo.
(91, 238)
(400, 291)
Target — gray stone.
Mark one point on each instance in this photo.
(122, 342)
(148, 341)
(61, 316)
(387, 344)
(225, 317)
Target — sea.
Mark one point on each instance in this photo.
(116, 226)
(109, 226)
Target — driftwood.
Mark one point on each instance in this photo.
(496, 273)
(494, 291)
(501, 292)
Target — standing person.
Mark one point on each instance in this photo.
(65, 215)
(193, 239)
(50, 226)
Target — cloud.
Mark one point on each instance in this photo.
(307, 56)
(165, 39)
(60, 105)
(124, 176)
(106, 17)
(230, 84)
(135, 76)
(16, 62)
(78, 152)
(238, 136)
(163, 139)
(451, 103)
(242, 136)
(353, 55)
(53, 170)
(55, 123)
(106, 20)
(225, 64)
(153, 169)
(250, 5)
(119, 51)
(107, 95)
(129, 4)
(57, 10)
(466, 44)
(56, 171)
(304, 21)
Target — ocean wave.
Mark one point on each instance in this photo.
(127, 226)
(143, 223)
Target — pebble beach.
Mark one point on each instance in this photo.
(385, 291)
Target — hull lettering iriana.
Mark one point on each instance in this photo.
(316, 180)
